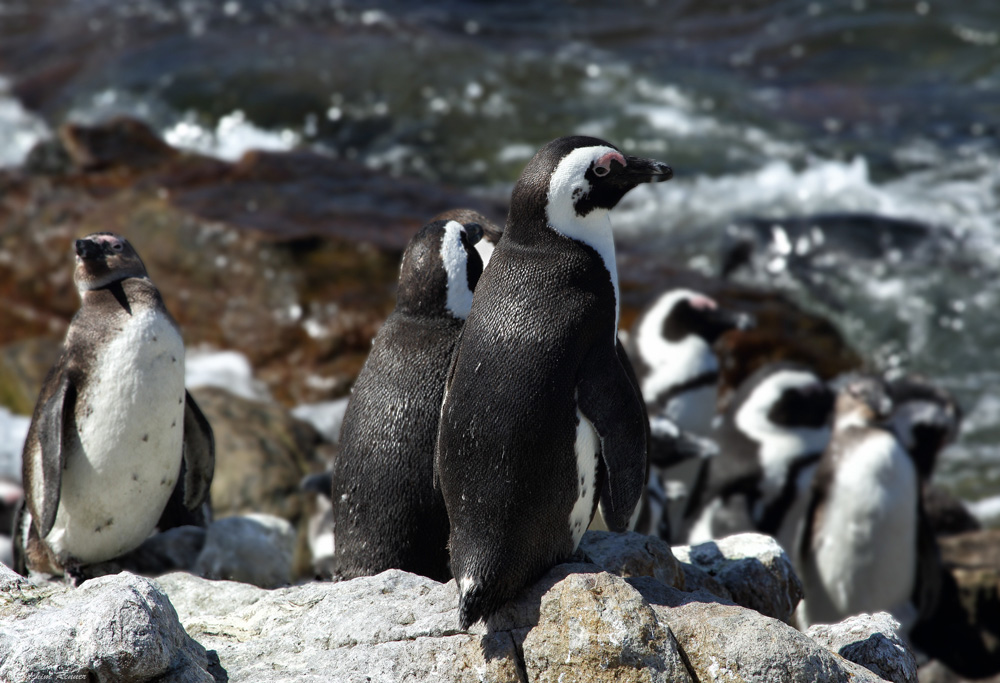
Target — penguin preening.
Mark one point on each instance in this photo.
(116, 446)
(386, 512)
(865, 544)
(770, 439)
(671, 345)
(540, 416)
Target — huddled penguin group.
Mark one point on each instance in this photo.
(498, 415)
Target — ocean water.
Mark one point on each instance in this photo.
(856, 142)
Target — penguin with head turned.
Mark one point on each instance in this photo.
(770, 439)
(541, 416)
(671, 345)
(116, 447)
(386, 512)
(865, 544)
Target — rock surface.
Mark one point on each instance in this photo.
(871, 641)
(754, 570)
(254, 549)
(114, 628)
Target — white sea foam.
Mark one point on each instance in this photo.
(229, 370)
(986, 511)
(20, 130)
(231, 138)
(13, 432)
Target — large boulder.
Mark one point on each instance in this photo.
(114, 628)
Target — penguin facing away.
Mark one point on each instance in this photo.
(116, 447)
(540, 417)
(865, 545)
(476, 221)
(386, 512)
(770, 438)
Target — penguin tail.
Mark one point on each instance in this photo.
(475, 603)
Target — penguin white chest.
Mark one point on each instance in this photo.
(587, 446)
(123, 460)
(866, 549)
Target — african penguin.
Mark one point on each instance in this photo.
(864, 541)
(386, 512)
(116, 446)
(541, 415)
(770, 440)
(671, 346)
(925, 418)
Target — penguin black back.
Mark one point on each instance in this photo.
(386, 512)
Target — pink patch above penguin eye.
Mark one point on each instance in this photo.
(702, 303)
(602, 166)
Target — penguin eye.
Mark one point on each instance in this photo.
(117, 246)
(601, 171)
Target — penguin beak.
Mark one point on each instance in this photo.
(638, 170)
(474, 232)
(88, 250)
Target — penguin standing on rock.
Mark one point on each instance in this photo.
(116, 446)
(541, 416)
(866, 545)
(386, 512)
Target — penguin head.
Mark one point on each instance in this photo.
(782, 396)
(473, 220)
(103, 258)
(575, 178)
(925, 418)
(862, 400)
(440, 270)
(685, 313)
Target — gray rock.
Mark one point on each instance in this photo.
(255, 549)
(726, 642)
(596, 627)
(113, 628)
(632, 554)
(386, 628)
(871, 641)
(753, 568)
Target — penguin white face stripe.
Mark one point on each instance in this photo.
(671, 363)
(456, 263)
(779, 446)
(566, 187)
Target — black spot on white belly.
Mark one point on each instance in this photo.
(145, 437)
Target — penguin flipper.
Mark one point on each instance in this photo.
(51, 417)
(199, 454)
(606, 397)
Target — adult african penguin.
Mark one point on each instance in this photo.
(770, 439)
(865, 546)
(116, 446)
(671, 346)
(541, 415)
(925, 418)
(386, 512)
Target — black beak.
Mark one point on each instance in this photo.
(474, 232)
(638, 170)
(88, 250)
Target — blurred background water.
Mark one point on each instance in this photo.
(801, 126)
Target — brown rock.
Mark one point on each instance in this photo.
(261, 455)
